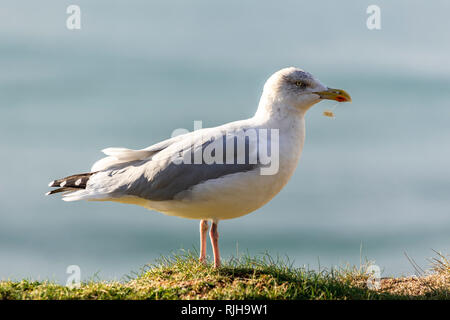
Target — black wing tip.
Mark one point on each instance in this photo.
(70, 183)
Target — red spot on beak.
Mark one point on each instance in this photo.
(341, 98)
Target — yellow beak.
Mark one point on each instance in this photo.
(334, 94)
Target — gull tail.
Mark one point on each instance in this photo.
(71, 183)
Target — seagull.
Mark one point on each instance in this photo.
(212, 174)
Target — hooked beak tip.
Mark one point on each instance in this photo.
(338, 95)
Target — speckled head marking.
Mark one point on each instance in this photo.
(298, 80)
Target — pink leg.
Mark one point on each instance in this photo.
(214, 235)
(203, 230)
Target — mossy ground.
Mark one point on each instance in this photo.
(182, 277)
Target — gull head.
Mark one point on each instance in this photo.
(298, 89)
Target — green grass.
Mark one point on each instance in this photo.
(181, 276)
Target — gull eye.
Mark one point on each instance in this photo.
(300, 84)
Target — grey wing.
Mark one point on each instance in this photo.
(160, 180)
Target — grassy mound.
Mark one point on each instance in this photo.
(183, 277)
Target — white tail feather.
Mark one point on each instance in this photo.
(120, 155)
(124, 154)
(83, 195)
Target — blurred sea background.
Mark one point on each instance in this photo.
(376, 177)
